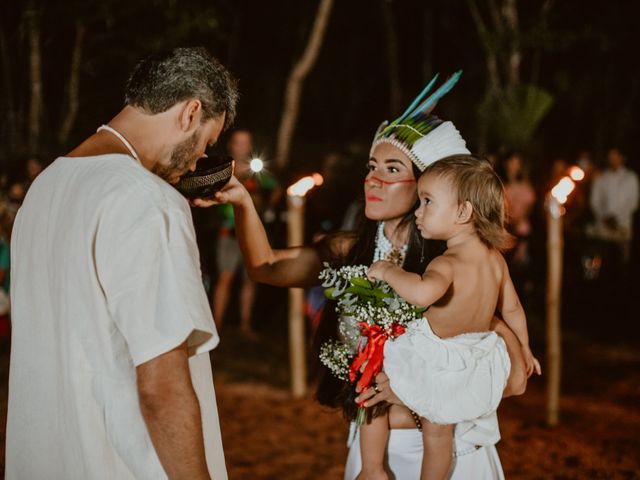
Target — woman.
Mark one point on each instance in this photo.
(521, 198)
(401, 150)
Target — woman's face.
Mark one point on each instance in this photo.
(390, 186)
(513, 166)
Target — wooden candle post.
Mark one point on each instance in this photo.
(555, 245)
(295, 238)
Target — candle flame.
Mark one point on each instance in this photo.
(302, 186)
(576, 173)
(562, 190)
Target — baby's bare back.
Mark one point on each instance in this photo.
(471, 301)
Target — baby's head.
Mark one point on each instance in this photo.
(459, 191)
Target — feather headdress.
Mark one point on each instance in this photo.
(423, 137)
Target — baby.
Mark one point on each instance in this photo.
(461, 202)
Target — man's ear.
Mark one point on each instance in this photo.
(465, 212)
(190, 115)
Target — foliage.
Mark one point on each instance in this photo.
(514, 116)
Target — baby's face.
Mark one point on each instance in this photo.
(436, 216)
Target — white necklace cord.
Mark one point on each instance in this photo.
(120, 137)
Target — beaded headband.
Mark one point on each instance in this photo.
(423, 137)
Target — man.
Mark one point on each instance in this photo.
(614, 199)
(110, 373)
(228, 255)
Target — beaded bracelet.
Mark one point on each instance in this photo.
(416, 418)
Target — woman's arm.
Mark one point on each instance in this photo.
(291, 267)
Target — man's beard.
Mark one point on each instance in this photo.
(180, 161)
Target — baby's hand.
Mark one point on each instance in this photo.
(377, 270)
(531, 362)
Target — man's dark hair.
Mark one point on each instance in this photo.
(158, 82)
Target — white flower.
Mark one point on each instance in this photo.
(336, 356)
(372, 302)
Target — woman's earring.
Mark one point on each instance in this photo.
(421, 250)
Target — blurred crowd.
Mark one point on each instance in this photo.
(14, 184)
(599, 220)
(600, 223)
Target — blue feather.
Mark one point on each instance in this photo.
(437, 95)
(418, 99)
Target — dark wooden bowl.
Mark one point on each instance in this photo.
(210, 176)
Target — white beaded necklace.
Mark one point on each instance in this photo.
(385, 250)
(124, 141)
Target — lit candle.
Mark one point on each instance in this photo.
(295, 238)
(555, 247)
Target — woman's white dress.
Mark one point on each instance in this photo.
(463, 378)
(404, 458)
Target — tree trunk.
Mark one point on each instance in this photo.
(510, 15)
(10, 120)
(294, 85)
(428, 25)
(395, 97)
(235, 38)
(35, 67)
(488, 43)
(73, 94)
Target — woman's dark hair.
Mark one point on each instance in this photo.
(501, 167)
(331, 391)
(158, 82)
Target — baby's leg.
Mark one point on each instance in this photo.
(438, 450)
(373, 445)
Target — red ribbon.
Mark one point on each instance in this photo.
(372, 355)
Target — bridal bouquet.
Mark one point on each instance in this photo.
(380, 313)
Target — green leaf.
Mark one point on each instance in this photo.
(328, 293)
(361, 291)
(361, 282)
(380, 294)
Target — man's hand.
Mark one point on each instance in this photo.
(384, 393)
(233, 192)
(378, 269)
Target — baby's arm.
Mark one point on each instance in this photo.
(513, 314)
(418, 290)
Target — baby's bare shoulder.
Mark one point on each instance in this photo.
(498, 265)
(442, 265)
(444, 261)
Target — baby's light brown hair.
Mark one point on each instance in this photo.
(474, 180)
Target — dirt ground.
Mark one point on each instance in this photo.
(268, 435)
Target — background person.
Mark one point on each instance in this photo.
(614, 199)
(265, 193)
